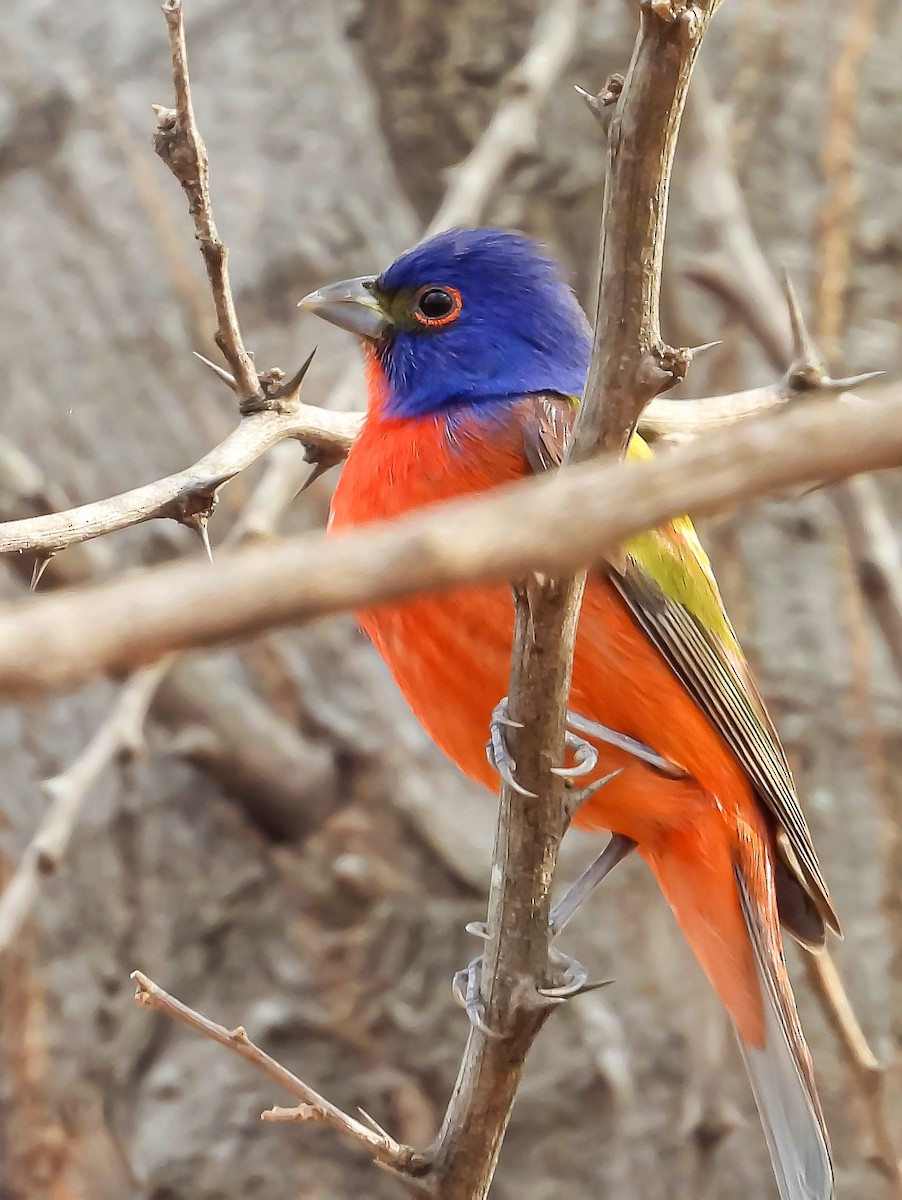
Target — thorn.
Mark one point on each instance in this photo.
(40, 566)
(592, 101)
(693, 351)
(851, 381)
(323, 460)
(477, 929)
(291, 387)
(606, 97)
(374, 1124)
(807, 368)
(198, 523)
(219, 372)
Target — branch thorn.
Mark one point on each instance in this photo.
(219, 372)
(374, 1124)
(198, 523)
(290, 389)
(40, 566)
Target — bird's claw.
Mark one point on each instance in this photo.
(585, 754)
(575, 981)
(465, 986)
(500, 758)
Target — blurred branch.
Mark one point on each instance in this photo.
(286, 785)
(119, 738)
(514, 127)
(311, 1105)
(870, 1078)
(63, 640)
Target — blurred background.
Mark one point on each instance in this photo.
(286, 850)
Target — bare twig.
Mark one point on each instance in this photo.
(63, 640)
(180, 145)
(631, 363)
(119, 737)
(870, 1078)
(188, 492)
(311, 1105)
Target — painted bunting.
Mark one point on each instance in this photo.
(476, 352)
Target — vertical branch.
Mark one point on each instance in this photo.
(630, 362)
(180, 145)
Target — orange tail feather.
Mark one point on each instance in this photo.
(723, 898)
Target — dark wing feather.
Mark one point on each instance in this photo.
(719, 681)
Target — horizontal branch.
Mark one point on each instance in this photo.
(193, 490)
(64, 640)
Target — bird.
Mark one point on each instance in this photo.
(476, 355)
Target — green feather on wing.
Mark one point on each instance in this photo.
(667, 583)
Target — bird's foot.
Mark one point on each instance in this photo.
(583, 752)
(571, 980)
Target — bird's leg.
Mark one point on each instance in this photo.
(614, 852)
(610, 737)
(575, 979)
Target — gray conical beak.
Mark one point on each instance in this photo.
(350, 305)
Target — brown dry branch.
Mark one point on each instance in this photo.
(870, 1078)
(61, 641)
(311, 1105)
(179, 144)
(193, 490)
(630, 363)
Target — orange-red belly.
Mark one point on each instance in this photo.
(450, 656)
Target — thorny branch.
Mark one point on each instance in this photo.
(179, 143)
(64, 640)
(311, 1105)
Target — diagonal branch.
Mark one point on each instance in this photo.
(185, 494)
(119, 737)
(311, 1105)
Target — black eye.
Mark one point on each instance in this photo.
(436, 305)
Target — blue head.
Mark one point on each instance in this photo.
(471, 317)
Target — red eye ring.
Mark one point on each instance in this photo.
(445, 303)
